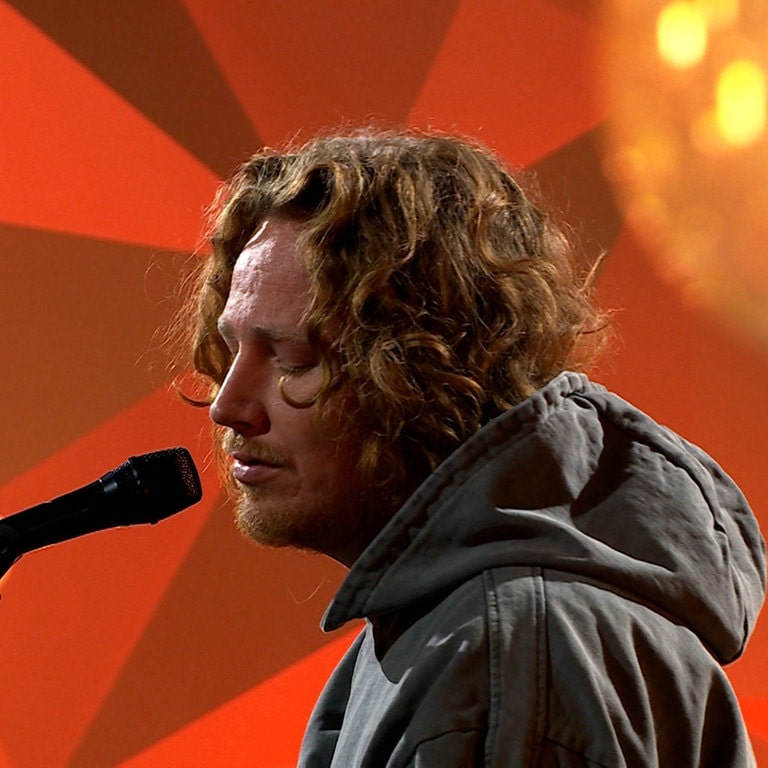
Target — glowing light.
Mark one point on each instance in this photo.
(681, 35)
(687, 146)
(740, 102)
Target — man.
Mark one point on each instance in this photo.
(549, 578)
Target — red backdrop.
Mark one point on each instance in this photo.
(182, 644)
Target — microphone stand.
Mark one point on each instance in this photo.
(9, 547)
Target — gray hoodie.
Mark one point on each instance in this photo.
(562, 591)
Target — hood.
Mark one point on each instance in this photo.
(575, 479)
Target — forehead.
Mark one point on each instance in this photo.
(270, 284)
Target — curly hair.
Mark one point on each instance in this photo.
(442, 295)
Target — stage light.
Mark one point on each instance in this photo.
(681, 34)
(740, 102)
(686, 145)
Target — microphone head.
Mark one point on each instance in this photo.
(155, 485)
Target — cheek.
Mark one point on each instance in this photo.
(324, 455)
(299, 428)
(315, 438)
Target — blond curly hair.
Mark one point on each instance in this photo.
(442, 295)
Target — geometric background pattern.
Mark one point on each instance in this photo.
(182, 643)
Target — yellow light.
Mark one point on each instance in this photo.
(740, 102)
(681, 35)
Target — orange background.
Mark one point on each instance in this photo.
(182, 644)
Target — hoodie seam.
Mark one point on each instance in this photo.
(494, 665)
(534, 742)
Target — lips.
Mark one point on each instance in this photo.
(253, 470)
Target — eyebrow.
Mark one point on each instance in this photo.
(225, 330)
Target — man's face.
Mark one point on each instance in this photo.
(298, 487)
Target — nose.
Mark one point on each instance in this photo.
(238, 405)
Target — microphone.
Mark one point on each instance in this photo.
(145, 489)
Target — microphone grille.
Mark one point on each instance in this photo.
(168, 479)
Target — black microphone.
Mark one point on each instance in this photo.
(145, 489)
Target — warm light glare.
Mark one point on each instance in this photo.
(688, 146)
(681, 35)
(718, 13)
(740, 102)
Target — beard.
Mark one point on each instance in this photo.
(340, 526)
(338, 513)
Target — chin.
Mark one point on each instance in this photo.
(339, 527)
(253, 525)
(279, 528)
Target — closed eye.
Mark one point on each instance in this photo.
(293, 355)
(295, 365)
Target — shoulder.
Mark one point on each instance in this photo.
(619, 681)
